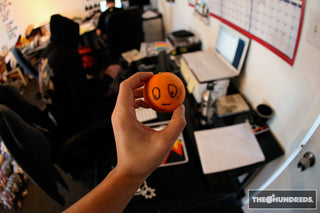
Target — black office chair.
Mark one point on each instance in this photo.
(33, 156)
(24, 63)
(37, 145)
(124, 30)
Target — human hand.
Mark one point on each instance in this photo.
(98, 32)
(141, 149)
(113, 70)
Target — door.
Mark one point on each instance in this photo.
(292, 178)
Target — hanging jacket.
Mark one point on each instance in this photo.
(62, 80)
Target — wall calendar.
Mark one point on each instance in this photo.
(276, 24)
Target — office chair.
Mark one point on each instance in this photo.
(33, 156)
(24, 63)
(37, 149)
(124, 30)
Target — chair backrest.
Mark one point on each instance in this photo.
(125, 31)
(24, 63)
(32, 153)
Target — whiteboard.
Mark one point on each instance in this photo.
(8, 28)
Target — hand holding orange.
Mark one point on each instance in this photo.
(164, 92)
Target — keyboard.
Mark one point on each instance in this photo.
(144, 114)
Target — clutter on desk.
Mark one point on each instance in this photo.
(208, 104)
(227, 148)
(13, 181)
(88, 24)
(151, 49)
(35, 38)
(132, 55)
(183, 41)
(231, 104)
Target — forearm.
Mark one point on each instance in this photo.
(111, 195)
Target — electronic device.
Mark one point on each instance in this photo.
(218, 65)
(183, 41)
(224, 62)
(104, 7)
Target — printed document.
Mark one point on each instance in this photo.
(228, 148)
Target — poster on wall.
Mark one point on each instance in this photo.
(9, 30)
(276, 24)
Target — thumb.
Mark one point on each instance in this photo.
(176, 124)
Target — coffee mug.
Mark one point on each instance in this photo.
(262, 114)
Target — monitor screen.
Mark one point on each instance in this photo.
(104, 7)
(232, 46)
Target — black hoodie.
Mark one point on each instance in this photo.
(62, 80)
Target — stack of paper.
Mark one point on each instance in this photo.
(227, 148)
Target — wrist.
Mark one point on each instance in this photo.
(128, 177)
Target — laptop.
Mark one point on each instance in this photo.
(224, 62)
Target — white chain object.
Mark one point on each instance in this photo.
(146, 191)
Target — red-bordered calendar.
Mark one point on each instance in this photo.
(276, 24)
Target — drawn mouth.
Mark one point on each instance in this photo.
(165, 104)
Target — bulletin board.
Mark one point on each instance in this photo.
(276, 24)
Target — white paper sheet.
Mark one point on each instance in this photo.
(144, 114)
(227, 148)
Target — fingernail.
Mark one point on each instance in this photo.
(183, 109)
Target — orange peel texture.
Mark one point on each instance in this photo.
(164, 92)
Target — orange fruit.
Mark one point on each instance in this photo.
(164, 92)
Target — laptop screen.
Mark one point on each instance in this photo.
(232, 46)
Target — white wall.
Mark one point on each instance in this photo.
(293, 91)
(39, 12)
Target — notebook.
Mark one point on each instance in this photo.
(224, 62)
(178, 153)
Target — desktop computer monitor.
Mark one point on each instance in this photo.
(104, 7)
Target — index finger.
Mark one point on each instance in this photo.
(126, 87)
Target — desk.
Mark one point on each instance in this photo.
(184, 187)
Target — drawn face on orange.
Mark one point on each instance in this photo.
(164, 92)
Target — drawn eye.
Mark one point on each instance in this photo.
(172, 89)
(156, 93)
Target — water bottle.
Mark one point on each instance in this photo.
(208, 101)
